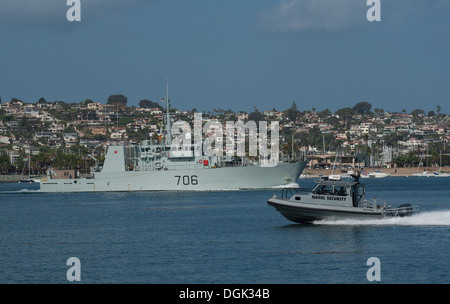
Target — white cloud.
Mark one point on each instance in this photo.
(51, 14)
(313, 15)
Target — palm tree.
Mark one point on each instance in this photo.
(289, 147)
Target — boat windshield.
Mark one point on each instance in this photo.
(324, 189)
(331, 190)
(341, 191)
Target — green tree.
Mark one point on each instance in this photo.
(117, 100)
(123, 121)
(418, 112)
(287, 147)
(438, 110)
(362, 108)
(438, 113)
(292, 112)
(15, 100)
(43, 159)
(400, 160)
(412, 158)
(67, 161)
(435, 157)
(5, 165)
(333, 120)
(378, 111)
(325, 113)
(256, 116)
(5, 117)
(346, 115)
(148, 104)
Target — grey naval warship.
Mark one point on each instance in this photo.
(151, 166)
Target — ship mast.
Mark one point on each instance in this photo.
(168, 124)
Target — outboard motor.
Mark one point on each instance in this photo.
(405, 210)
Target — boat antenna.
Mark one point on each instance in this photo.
(356, 176)
(168, 124)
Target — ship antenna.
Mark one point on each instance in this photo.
(168, 124)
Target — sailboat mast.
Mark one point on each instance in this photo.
(168, 124)
(29, 161)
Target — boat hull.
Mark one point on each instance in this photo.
(308, 213)
(225, 178)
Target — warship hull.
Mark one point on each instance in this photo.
(202, 179)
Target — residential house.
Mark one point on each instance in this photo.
(56, 128)
(70, 139)
(4, 139)
(94, 106)
(118, 132)
(364, 128)
(30, 111)
(98, 130)
(88, 118)
(135, 126)
(242, 116)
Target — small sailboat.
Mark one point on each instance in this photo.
(374, 174)
(29, 179)
(441, 173)
(424, 173)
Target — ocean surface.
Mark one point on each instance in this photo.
(219, 237)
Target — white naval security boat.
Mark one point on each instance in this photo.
(153, 166)
(334, 199)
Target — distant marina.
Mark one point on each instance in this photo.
(394, 172)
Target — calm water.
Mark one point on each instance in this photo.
(218, 237)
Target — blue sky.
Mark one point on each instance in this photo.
(229, 54)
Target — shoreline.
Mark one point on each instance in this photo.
(313, 173)
(15, 178)
(394, 172)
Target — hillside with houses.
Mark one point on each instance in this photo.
(70, 135)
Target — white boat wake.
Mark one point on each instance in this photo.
(432, 218)
(21, 191)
